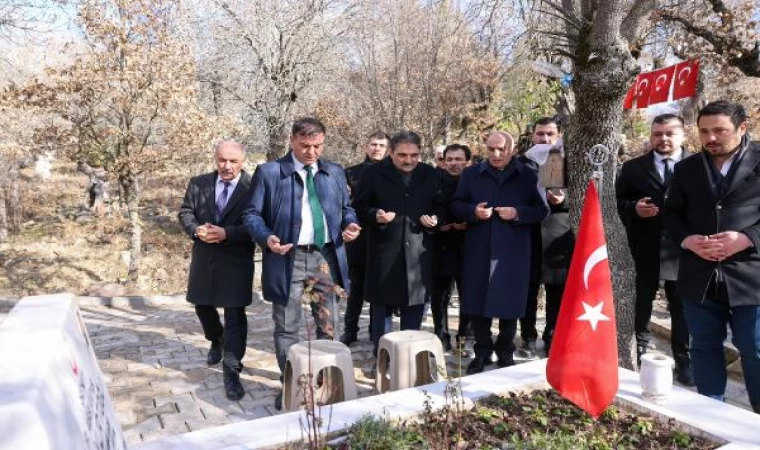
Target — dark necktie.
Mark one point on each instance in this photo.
(668, 173)
(316, 209)
(221, 202)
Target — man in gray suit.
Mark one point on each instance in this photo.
(221, 268)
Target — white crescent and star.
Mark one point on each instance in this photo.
(659, 82)
(643, 84)
(687, 70)
(593, 314)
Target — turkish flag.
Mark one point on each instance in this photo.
(628, 102)
(661, 85)
(685, 81)
(583, 360)
(644, 84)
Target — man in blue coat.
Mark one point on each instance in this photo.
(299, 213)
(499, 200)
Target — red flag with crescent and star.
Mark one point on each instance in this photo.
(644, 83)
(583, 360)
(685, 79)
(661, 85)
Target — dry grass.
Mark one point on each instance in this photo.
(54, 253)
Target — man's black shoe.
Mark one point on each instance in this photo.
(446, 344)
(640, 350)
(756, 409)
(505, 361)
(527, 350)
(348, 338)
(477, 365)
(278, 402)
(232, 387)
(684, 375)
(215, 353)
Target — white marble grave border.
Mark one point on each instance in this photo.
(739, 428)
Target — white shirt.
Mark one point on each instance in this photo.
(727, 165)
(659, 161)
(306, 236)
(219, 187)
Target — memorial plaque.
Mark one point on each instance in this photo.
(52, 393)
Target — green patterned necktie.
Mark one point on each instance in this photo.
(317, 217)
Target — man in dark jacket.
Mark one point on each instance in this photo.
(356, 251)
(448, 255)
(499, 200)
(713, 213)
(399, 202)
(300, 215)
(552, 243)
(640, 191)
(221, 268)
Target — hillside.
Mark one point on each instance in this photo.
(60, 248)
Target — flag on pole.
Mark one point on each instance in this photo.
(583, 360)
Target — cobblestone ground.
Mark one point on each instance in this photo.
(154, 363)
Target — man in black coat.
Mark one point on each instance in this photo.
(713, 213)
(559, 243)
(398, 201)
(640, 191)
(221, 268)
(449, 253)
(356, 251)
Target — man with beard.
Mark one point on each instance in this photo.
(499, 201)
(356, 251)
(448, 253)
(640, 191)
(399, 203)
(713, 213)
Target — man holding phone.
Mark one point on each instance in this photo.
(640, 190)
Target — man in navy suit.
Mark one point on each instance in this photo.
(300, 215)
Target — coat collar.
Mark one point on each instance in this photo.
(288, 167)
(515, 167)
(651, 169)
(747, 164)
(392, 173)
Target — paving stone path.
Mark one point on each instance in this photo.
(154, 362)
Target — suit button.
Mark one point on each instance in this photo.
(406, 195)
(406, 243)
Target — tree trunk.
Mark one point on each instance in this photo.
(599, 90)
(277, 140)
(131, 189)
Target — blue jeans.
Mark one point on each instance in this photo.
(707, 321)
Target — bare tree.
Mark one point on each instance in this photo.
(262, 60)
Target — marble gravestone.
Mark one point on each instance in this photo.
(52, 393)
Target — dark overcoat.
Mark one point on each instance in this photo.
(497, 252)
(654, 253)
(448, 254)
(356, 250)
(275, 209)
(220, 274)
(695, 205)
(400, 253)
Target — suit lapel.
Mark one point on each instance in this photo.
(242, 187)
(209, 192)
(746, 165)
(651, 170)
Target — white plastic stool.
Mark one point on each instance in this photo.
(408, 353)
(337, 380)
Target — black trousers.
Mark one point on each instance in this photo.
(528, 330)
(484, 345)
(234, 332)
(355, 300)
(411, 319)
(443, 286)
(553, 300)
(646, 289)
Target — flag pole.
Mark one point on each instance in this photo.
(598, 155)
